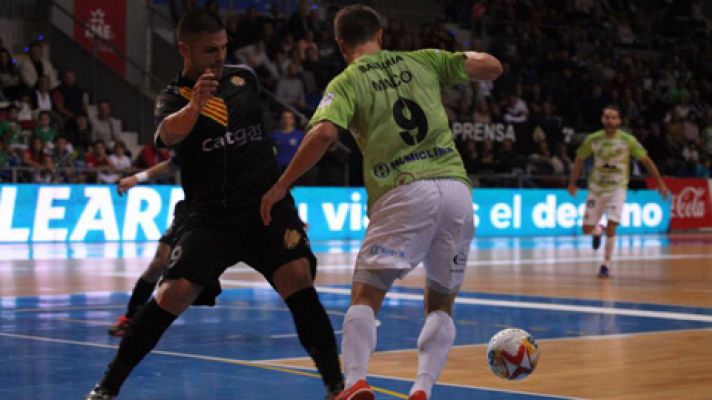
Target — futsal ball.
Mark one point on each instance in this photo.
(512, 354)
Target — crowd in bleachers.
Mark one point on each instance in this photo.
(47, 129)
(564, 61)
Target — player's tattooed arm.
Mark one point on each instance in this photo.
(482, 66)
(178, 125)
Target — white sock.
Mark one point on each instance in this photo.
(610, 244)
(358, 342)
(434, 342)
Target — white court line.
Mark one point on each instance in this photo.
(569, 260)
(484, 263)
(247, 363)
(546, 306)
(519, 304)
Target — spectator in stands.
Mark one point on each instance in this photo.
(41, 97)
(306, 43)
(286, 139)
(150, 155)
(255, 55)
(691, 157)
(24, 110)
(470, 157)
(250, 26)
(299, 22)
(11, 131)
(659, 148)
(119, 162)
(80, 133)
(486, 162)
(706, 137)
(44, 131)
(539, 162)
(517, 111)
(270, 39)
(5, 157)
(105, 127)
(290, 89)
(35, 66)
(550, 123)
(482, 113)
(97, 158)
(314, 72)
(10, 83)
(177, 11)
(561, 161)
(213, 6)
(69, 99)
(36, 157)
(507, 161)
(63, 158)
(234, 41)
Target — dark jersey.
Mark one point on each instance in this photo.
(227, 161)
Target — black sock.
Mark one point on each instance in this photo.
(140, 295)
(145, 331)
(316, 334)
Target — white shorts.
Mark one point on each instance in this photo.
(428, 221)
(612, 203)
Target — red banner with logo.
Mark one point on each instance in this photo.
(108, 20)
(691, 205)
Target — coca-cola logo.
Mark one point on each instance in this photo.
(689, 203)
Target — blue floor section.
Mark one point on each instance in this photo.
(56, 347)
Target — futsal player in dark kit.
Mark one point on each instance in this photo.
(211, 117)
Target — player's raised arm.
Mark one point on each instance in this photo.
(482, 66)
(316, 142)
(176, 126)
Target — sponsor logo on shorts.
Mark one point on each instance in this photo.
(292, 237)
(378, 249)
(176, 253)
(460, 259)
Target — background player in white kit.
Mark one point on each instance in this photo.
(608, 182)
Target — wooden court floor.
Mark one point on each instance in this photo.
(644, 333)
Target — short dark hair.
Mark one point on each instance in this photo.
(356, 24)
(613, 107)
(198, 21)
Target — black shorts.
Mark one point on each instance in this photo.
(204, 251)
(171, 235)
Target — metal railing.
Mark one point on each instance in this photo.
(64, 175)
(93, 175)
